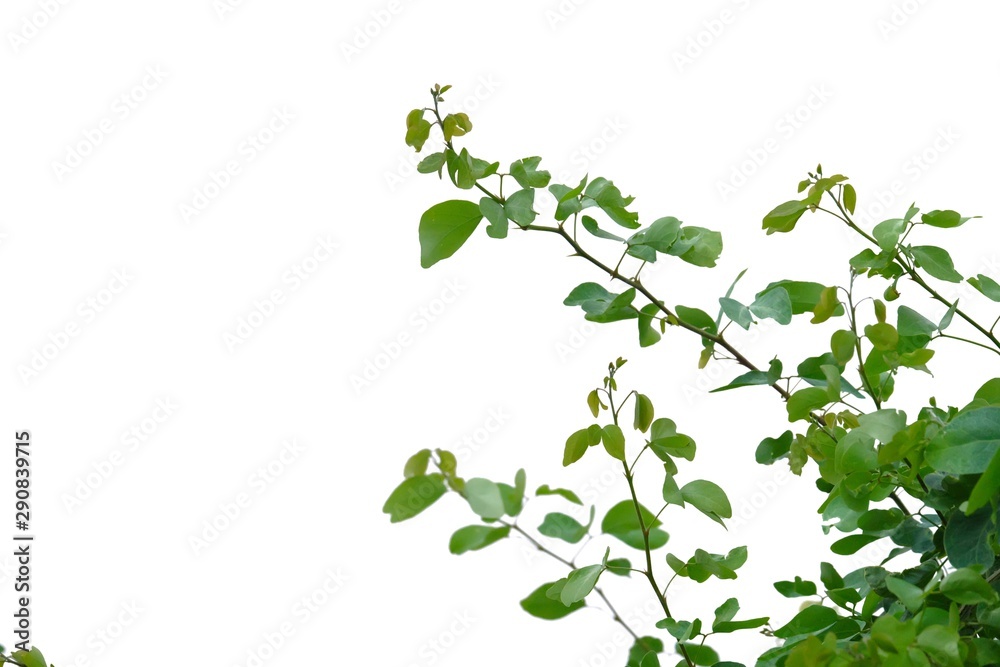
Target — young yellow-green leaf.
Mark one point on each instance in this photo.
(850, 198)
(474, 538)
(855, 452)
(643, 413)
(986, 286)
(539, 605)
(418, 130)
(842, 344)
(827, 306)
(594, 402)
(456, 125)
(936, 262)
(576, 446)
(614, 441)
(484, 498)
(416, 465)
(783, 218)
(883, 336)
(32, 658)
(413, 496)
(444, 228)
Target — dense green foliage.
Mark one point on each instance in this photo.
(927, 480)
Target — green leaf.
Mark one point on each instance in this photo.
(580, 583)
(804, 401)
(911, 596)
(883, 425)
(518, 207)
(945, 219)
(563, 527)
(609, 198)
(539, 605)
(474, 538)
(736, 311)
(665, 441)
(852, 544)
(774, 304)
(803, 296)
(643, 413)
(622, 522)
(704, 246)
(989, 392)
(850, 198)
(795, 589)
(494, 212)
(413, 496)
(700, 654)
(591, 226)
(911, 323)
(696, 317)
(594, 402)
(416, 465)
(527, 174)
(545, 490)
(986, 286)
(484, 498)
(671, 493)
(418, 130)
(936, 262)
(811, 620)
(601, 305)
(967, 538)
(829, 577)
(987, 486)
(783, 218)
(887, 233)
(709, 499)
(444, 228)
(431, 163)
(855, 452)
(968, 443)
(614, 441)
(948, 316)
(752, 378)
(966, 586)
(660, 235)
(771, 449)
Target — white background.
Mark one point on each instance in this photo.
(668, 99)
